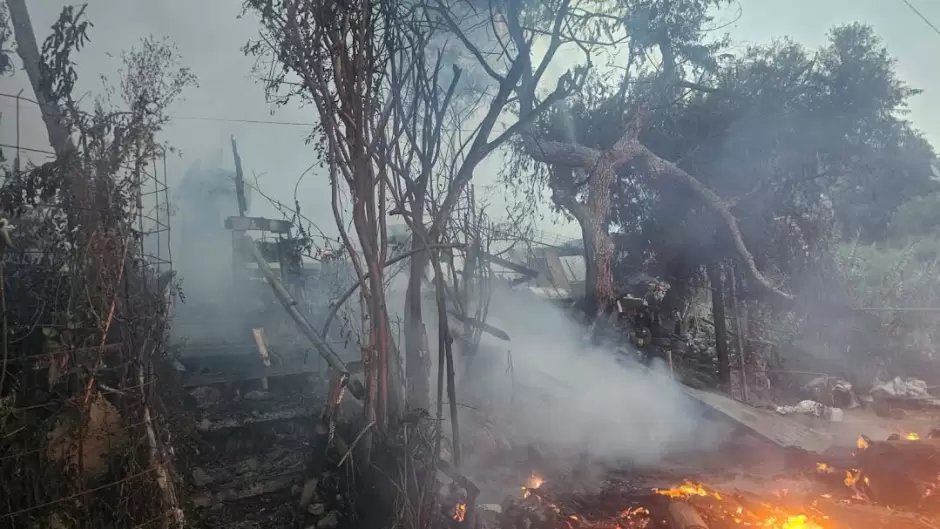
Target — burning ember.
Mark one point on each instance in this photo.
(685, 490)
(642, 508)
(460, 512)
(713, 506)
(533, 483)
(862, 443)
(892, 483)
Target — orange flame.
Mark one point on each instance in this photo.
(799, 522)
(460, 512)
(767, 516)
(535, 481)
(911, 436)
(686, 490)
(824, 468)
(851, 477)
(862, 443)
(635, 511)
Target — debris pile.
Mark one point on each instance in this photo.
(890, 484)
(892, 398)
(902, 472)
(251, 452)
(688, 505)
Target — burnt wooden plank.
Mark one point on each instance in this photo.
(772, 426)
(255, 373)
(257, 224)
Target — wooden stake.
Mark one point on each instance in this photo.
(263, 352)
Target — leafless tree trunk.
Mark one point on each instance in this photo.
(340, 51)
(721, 327)
(421, 110)
(28, 50)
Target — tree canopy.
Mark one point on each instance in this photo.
(804, 146)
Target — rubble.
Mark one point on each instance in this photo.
(810, 407)
(833, 392)
(906, 392)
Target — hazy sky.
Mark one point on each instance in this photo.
(210, 34)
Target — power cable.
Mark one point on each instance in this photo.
(41, 151)
(922, 16)
(201, 118)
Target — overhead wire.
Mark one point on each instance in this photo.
(200, 118)
(922, 16)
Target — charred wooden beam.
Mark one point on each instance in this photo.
(249, 374)
(257, 224)
(471, 489)
(271, 464)
(212, 425)
(681, 515)
(515, 267)
(486, 327)
(240, 182)
(900, 473)
(242, 491)
(290, 305)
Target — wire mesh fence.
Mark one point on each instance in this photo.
(83, 306)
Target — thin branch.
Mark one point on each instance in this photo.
(352, 290)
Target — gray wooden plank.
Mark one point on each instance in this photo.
(772, 426)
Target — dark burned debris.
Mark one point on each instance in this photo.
(874, 488)
(252, 449)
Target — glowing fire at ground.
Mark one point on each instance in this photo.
(765, 515)
(870, 495)
(685, 490)
(710, 503)
(862, 443)
(460, 512)
(534, 482)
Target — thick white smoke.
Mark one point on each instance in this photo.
(563, 392)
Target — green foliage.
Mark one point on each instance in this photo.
(917, 218)
(6, 40)
(56, 68)
(74, 255)
(806, 146)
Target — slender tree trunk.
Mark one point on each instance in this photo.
(417, 356)
(721, 329)
(740, 330)
(28, 50)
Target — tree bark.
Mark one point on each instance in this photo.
(721, 329)
(602, 167)
(598, 206)
(590, 270)
(417, 356)
(594, 214)
(28, 50)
